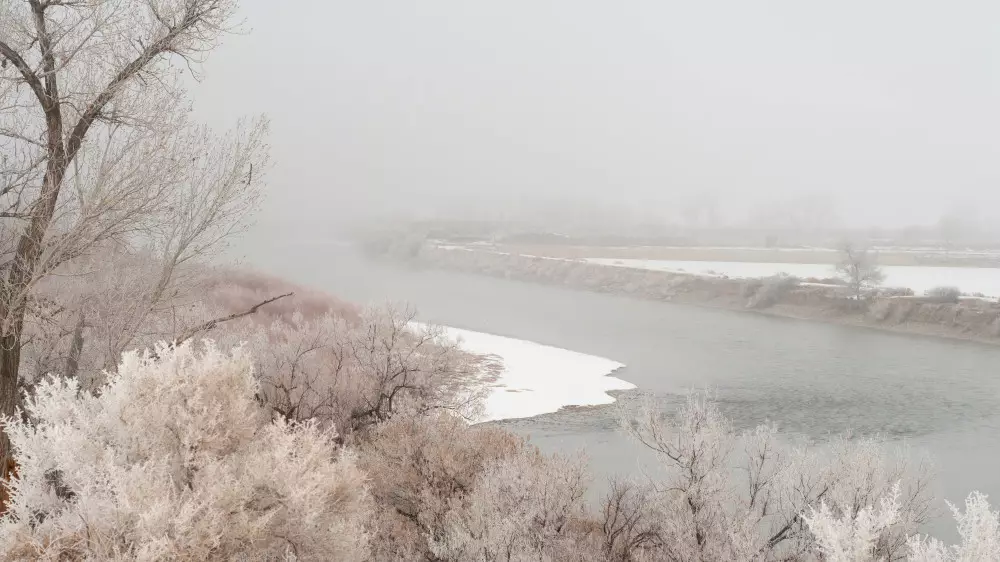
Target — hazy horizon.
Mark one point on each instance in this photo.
(857, 114)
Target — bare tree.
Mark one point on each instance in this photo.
(628, 528)
(859, 268)
(353, 373)
(96, 146)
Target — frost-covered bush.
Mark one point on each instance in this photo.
(175, 459)
(356, 372)
(944, 294)
(894, 292)
(447, 491)
(771, 290)
(100, 306)
(523, 507)
(723, 494)
(881, 309)
(843, 536)
(979, 527)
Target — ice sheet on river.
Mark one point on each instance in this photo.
(539, 379)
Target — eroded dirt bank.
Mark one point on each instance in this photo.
(973, 319)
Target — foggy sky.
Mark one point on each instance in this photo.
(890, 108)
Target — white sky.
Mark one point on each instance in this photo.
(891, 108)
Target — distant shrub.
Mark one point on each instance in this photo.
(772, 289)
(895, 292)
(825, 280)
(235, 290)
(944, 294)
(750, 287)
(880, 309)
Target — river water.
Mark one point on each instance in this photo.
(812, 379)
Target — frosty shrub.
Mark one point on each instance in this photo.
(525, 507)
(723, 494)
(447, 491)
(356, 372)
(175, 459)
(845, 537)
(772, 289)
(944, 294)
(852, 537)
(979, 527)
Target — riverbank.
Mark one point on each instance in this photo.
(968, 319)
(934, 257)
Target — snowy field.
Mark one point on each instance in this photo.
(985, 280)
(539, 379)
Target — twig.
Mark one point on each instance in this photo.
(214, 322)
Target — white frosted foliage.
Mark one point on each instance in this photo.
(174, 458)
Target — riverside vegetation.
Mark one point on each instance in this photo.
(941, 313)
(306, 428)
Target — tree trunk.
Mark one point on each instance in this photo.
(22, 273)
(10, 359)
(75, 349)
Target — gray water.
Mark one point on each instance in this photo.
(814, 380)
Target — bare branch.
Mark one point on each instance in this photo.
(29, 75)
(215, 322)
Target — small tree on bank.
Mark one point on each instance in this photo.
(858, 267)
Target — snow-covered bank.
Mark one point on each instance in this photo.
(539, 379)
(985, 280)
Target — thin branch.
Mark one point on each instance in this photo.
(29, 76)
(93, 111)
(214, 322)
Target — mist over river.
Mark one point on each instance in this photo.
(813, 379)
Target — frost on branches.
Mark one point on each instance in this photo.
(175, 459)
(979, 527)
(843, 538)
(724, 494)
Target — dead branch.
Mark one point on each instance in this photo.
(216, 321)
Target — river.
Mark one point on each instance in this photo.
(812, 379)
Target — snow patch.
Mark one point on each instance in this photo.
(540, 379)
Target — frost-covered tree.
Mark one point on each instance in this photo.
(175, 459)
(97, 150)
(723, 494)
(859, 268)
